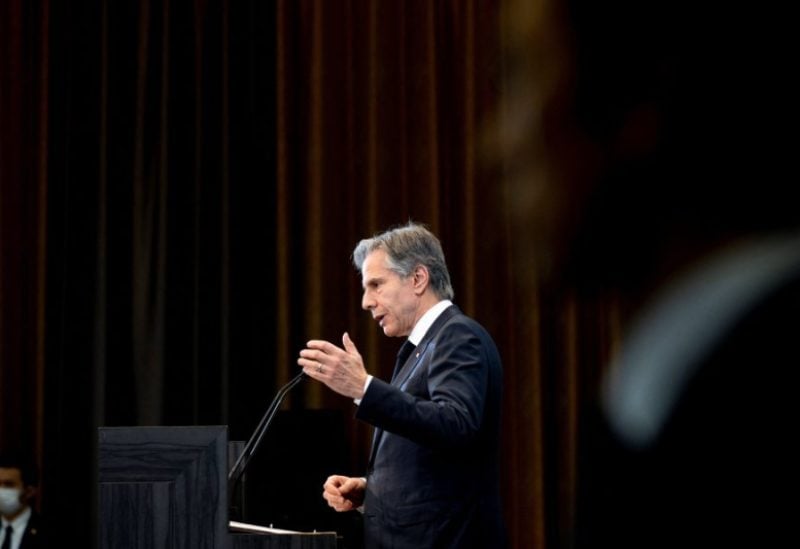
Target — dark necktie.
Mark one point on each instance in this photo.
(7, 541)
(402, 355)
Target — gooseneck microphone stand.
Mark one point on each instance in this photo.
(252, 445)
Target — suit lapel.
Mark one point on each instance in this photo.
(410, 366)
(406, 350)
(405, 371)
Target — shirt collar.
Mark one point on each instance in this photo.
(19, 523)
(424, 323)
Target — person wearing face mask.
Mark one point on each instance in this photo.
(21, 524)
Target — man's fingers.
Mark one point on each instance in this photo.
(313, 360)
(325, 346)
(333, 482)
(321, 351)
(349, 486)
(349, 346)
(313, 354)
(336, 492)
(337, 502)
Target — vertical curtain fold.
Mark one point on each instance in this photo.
(198, 196)
(145, 233)
(24, 74)
(40, 215)
(312, 213)
(225, 212)
(281, 210)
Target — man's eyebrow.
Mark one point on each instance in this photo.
(372, 280)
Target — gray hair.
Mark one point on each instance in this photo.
(406, 247)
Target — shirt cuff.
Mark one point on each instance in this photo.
(366, 385)
(360, 508)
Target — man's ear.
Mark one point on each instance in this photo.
(421, 279)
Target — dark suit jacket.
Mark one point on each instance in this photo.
(433, 474)
(33, 538)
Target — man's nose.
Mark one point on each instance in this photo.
(367, 302)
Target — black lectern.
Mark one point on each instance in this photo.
(166, 488)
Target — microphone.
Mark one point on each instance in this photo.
(237, 470)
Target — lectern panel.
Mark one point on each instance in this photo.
(163, 487)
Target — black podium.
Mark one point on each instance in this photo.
(166, 488)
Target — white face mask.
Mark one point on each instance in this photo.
(9, 501)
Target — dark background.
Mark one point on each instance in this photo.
(182, 184)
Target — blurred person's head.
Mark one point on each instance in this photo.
(638, 135)
(638, 138)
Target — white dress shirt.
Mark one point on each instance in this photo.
(418, 332)
(18, 524)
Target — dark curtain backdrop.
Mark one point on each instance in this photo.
(182, 183)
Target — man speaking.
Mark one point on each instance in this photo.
(432, 479)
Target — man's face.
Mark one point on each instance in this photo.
(390, 298)
(13, 495)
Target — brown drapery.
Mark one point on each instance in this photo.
(182, 184)
(23, 211)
